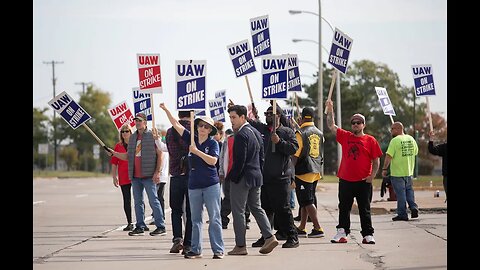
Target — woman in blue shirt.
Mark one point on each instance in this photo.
(203, 183)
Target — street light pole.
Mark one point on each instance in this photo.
(320, 70)
(54, 123)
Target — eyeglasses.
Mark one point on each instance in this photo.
(356, 123)
(125, 131)
(203, 125)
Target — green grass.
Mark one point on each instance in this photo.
(66, 174)
(422, 181)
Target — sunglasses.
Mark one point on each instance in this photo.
(203, 125)
(125, 131)
(356, 122)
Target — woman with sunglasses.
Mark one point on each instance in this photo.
(120, 173)
(203, 183)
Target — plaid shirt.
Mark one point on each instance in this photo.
(176, 148)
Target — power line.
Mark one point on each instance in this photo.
(53, 62)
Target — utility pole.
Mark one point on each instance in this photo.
(83, 84)
(53, 62)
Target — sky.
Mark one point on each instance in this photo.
(98, 41)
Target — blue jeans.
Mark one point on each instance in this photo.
(210, 197)
(138, 185)
(404, 190)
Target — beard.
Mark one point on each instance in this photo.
(357, 132)
(269, 121)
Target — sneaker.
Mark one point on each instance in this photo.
(177, 245)
(399, 218)
(129, 227)
(192, 255)
(259, 242)
(368, 239)
(414, 213)
(186, 249)
(238, 251)
(269, 245)
(280, 236)
(217, 256)
(291, 243)
(146, 229)
(340, 237)
(316, 233)
(137, 231)
(300, 232)
(159, 231)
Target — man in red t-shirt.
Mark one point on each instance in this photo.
(360, 162)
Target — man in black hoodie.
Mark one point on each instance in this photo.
(277, 173)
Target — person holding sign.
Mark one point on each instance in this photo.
(203, 184)
(277, 175)
(308, 162)
(144, 168)
(360, 162)
(119, 173)
(400, 157)
(439, 150)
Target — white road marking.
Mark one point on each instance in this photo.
(38, 202)
(81, 195)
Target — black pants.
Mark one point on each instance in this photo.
(226, 208)
(160, 195)
(127, 201)
(362, 191)
(179, 194)
(275, 202)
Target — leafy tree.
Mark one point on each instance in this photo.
(70, 155)
(40, 134)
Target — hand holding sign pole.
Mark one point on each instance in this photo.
(338, 58)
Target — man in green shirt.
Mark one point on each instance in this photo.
(400, 156)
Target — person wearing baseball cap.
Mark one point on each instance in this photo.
(308, 162)
(203, 183)
(144, 169)
(360, 162)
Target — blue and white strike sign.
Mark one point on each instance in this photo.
(241, 57)
(340, 51)
(423, 79)
(190, 76)
(384, 100)
(217, 111)
(223, 95)
(274, 77)
(294, 83)
(288, 112)
(141, 103)
(260, 36)
(70, 111)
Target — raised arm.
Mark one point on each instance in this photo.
(176, 125)
(330, 120)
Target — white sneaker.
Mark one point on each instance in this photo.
(368, 240)
(340, 237)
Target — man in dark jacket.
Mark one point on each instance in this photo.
(277, 174)
(439, 150)
(246, 179)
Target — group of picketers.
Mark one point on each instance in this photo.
(257, 166)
